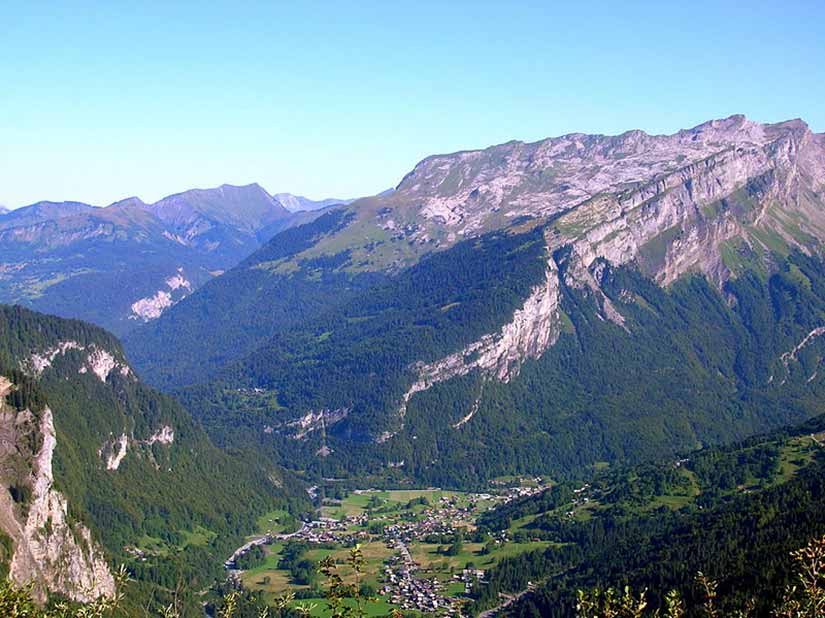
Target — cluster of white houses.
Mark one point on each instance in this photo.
(403, 583)
(407, 591)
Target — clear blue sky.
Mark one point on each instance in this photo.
(104, 100)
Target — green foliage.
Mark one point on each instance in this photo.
(292, 559)
(338, 592)
(363, 361)
(805, 597)
(689, 370)
(6, 553)
(26, 394)
(456, 546)
(235, 313)
(255, 557)
(691, 367)
(18, 602)
(740, 537)
(610, 604)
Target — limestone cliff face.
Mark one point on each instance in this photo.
(87, 452)
(114, 449)
(596, 182)
(51, 551)
(177, 287)
(533, 328)
(527, 335)
(678, 223)
(97, 360)
(101, 363)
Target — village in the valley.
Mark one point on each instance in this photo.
(422, 550)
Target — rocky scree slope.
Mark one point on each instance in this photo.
(92, 463)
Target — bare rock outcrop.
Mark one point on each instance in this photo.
(533, 328)
(151, 307)
(99, 361)
(51, 551)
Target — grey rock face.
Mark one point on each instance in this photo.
(51, 551)
(610, 194)
(298, 203)
(671, 203)
(472, 191)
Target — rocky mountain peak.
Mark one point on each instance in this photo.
(448, 197)
(472, 191)
(128, 203)
(40, 212)
(248, 207)
(60, 257)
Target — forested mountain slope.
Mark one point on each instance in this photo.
(709, 199)
(244, 307)
(733, 513)
(355, 390)
(99, 469)
(646, 293)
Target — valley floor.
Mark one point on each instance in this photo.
(421, 547)
(431, 551)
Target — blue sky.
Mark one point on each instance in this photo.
(99, 101)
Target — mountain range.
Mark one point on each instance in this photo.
(503, 310)
(125, 264)
(571, 308)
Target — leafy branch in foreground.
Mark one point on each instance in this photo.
(807, 597)
(338, 592)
